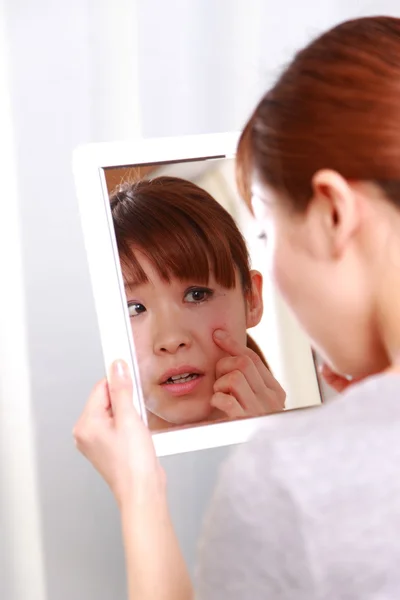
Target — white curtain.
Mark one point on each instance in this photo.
(21, 553)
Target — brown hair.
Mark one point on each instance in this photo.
(183, 231)
(336, 106)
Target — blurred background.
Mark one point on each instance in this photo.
(89, 71)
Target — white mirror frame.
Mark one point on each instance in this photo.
(89, 163)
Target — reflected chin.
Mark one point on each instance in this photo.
(181, 411)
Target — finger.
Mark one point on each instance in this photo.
(226, 342)
(99, 399)
(121, 392)
(236, 385)
(245, 365)
(97, 410)
(228, 405)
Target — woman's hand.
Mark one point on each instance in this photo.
(244, 387)
(113, 437)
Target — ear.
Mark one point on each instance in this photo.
(334, 212)
(254, 300)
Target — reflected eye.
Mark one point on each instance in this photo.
(197, 295)
(135, 309)
(262, 236)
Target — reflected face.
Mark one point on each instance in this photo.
(172, 325)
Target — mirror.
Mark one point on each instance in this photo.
(170, 239)
(166, 235)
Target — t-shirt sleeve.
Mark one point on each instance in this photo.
(253, 546)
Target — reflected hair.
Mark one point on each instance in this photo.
(184, 233)
(181, 229)
(336, 106)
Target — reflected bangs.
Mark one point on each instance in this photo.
(184, 239)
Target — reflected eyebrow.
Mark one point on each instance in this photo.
(134, 287)
(131, 287)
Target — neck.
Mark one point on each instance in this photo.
(389, 320)
(383, 242)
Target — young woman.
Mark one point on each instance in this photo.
(187, 271)
(310, 508)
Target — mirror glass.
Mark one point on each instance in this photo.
(181, 230)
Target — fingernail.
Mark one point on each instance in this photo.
(120, 369)
(220, 334)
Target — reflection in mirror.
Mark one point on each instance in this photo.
(187, 246)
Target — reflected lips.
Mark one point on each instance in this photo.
(182, 380)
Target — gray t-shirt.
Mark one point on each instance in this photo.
(310, 508)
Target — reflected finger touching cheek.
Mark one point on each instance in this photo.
(258, 394)
(228, 404)
(236, 384)
(245, 365)
(225, 341)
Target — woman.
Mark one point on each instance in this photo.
(310, 508)
(187, 271)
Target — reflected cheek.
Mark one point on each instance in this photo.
(143, 351)
(213, 351)
(233, 322)
(214, 315)
(220, 319)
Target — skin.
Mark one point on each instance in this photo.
(173, 324)
(336, 381)
(337, 266)
(340, 258)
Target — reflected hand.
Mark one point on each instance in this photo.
(244, 386)
(113, 437)
(334, 380)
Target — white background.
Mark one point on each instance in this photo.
(87, 71)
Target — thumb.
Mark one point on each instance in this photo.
(121, 391)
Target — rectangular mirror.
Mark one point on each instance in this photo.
(168, 267)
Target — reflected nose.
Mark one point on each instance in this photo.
(170, 341)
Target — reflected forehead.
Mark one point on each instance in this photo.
(134, 285)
